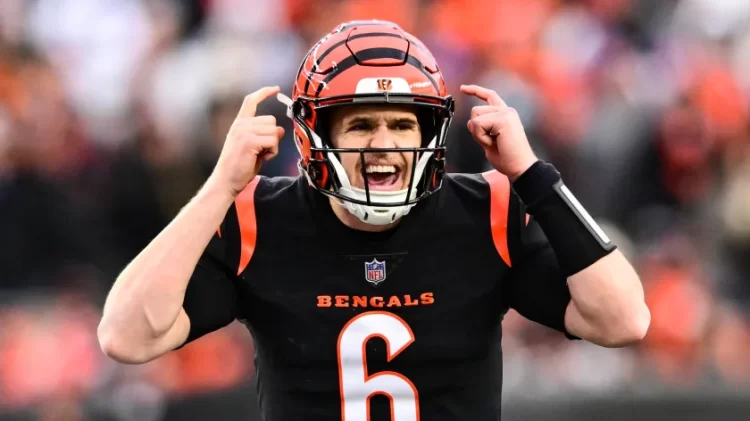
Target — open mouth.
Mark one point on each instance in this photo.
(383, 177)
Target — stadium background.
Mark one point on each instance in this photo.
(112, 113)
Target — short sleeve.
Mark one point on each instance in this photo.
(212, 298)
(536, 285)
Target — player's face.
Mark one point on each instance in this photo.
(372, 126)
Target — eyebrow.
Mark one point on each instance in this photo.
(373, 120)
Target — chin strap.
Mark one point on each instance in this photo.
(376, 215)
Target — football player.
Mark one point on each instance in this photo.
(374, 284)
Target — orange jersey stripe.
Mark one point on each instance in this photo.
(499, 201)
(245, 205)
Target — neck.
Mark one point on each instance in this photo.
(353, 222)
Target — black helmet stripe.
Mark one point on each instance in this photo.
(373, 54)
(325, 53)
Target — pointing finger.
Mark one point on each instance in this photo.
(489, 96)
(250, 104)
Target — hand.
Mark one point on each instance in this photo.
(250, 142)
(498, 129)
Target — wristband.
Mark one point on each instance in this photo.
(576, 238)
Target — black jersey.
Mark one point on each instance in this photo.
(397, 325)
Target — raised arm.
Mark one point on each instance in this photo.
(143, 315)
(607, 305)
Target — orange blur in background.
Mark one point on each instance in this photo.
(112, 115)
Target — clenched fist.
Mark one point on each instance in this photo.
(251, 141)
(498, 129)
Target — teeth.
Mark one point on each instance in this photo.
(387, 169)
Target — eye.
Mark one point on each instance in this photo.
(405, 126)
(359, 127)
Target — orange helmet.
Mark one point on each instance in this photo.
(370, 62)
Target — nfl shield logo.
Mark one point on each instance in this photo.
(375, 272)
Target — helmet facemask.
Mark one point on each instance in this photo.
(326, 173)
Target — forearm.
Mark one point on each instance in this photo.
(607, 305)
(146, 299)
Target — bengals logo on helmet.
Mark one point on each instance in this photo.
(385, 84)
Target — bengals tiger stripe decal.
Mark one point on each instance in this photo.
(316, 65)
(374, 54)
(335, 65)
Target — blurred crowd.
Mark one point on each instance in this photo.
(112, 113)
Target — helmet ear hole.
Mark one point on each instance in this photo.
(302, 109)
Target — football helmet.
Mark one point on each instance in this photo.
(369, 62)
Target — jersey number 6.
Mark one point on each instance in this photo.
(356, 386)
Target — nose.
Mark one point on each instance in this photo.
(382, 138)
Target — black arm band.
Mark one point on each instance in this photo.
(575, 237)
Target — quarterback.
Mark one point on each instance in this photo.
(375, 284)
